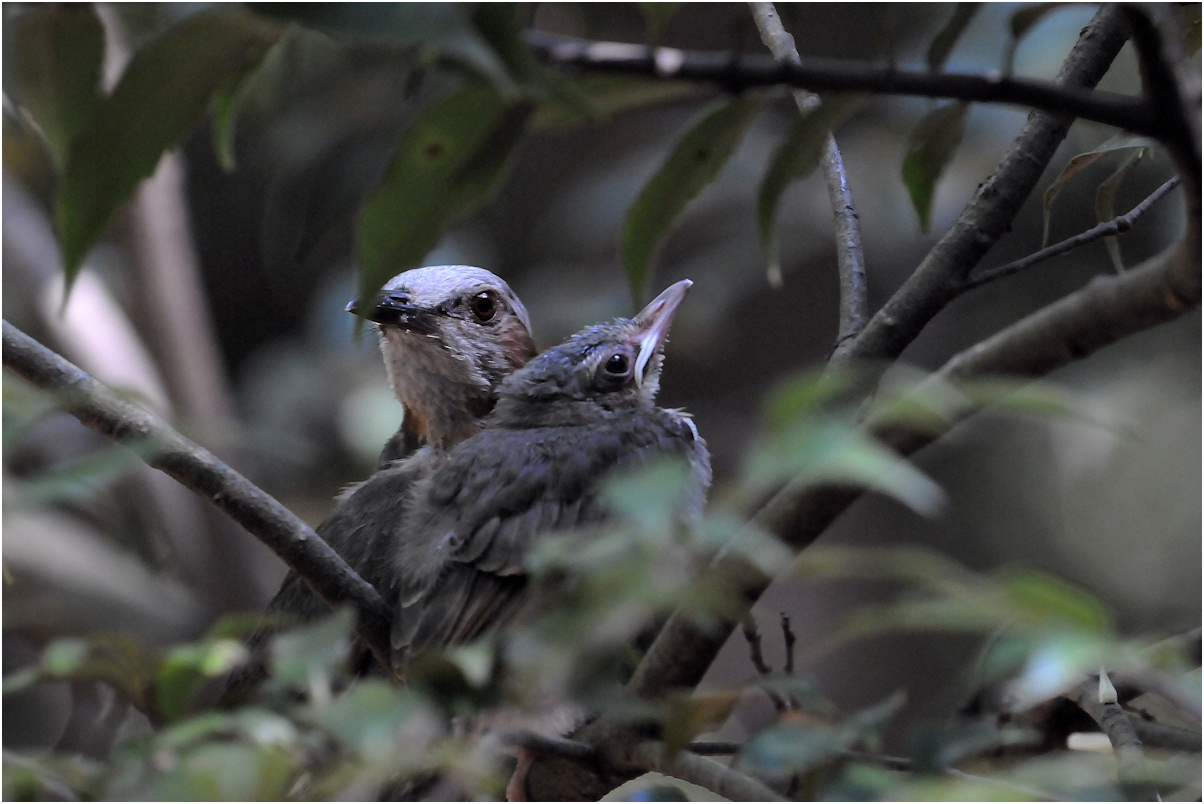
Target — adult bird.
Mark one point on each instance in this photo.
(449, 335)
(562, 424)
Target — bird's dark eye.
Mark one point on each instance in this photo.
(483, 306)
(617, 364)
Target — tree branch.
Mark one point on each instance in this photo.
(197, 469)
(1105, 311)
(850, 256)
(1098, 699)
(990, 212)
(824, 75)
(704, 772)
(1118, 225)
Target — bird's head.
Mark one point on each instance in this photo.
(603, 371)
(449, 335)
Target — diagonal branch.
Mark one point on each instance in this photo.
(704, 772)
(832, 75)
(850, 256)
(197, 469)
(1118, 225)
(1105, 311)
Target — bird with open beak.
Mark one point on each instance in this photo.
(562, 424)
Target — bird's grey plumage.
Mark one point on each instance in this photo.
(449, 335)
(562, 424)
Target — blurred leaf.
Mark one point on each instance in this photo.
(448, 162)
(370, 717)
(797, 156)
(83, 477)
(832, 452)
(945, 39)
(23, 407)
(1077, 163)
(185, 669)
(1021, 23)
(694, 161)
(936, 747)
(1046, 599)
(651, 494)
(163, 92)
(930, 148)
(308, 656)
(656, 17)
(1105, 204)
(688, 716)
(56, 53)
(222, 772)
(803, 396)
(502, 26)
(604, 96)
(1057, 662)
(116, 659)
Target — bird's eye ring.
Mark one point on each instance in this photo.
(617, 364)
(483, 306)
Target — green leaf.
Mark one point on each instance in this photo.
(945, 39)
(448, 162)
(307, 656)
(804, 396)
(1045, 599)
(181, 674)
(82, 477)
(930, 147)
(832, 452)
(797, 156)
(1105, 204)
(56, 53)
(1079, 162)
(163, 92)
(694, 161)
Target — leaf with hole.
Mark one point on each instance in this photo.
(162, 94)
(930, 147)
(692, 164)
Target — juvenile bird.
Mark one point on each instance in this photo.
(449, 335)
(562, 424)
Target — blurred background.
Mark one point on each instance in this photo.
(218, 298)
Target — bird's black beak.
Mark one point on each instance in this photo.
(393, 308)
(653, 324)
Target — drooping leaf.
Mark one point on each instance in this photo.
(449, 161)
(1081, 161)
(56, 55)
(308, 655)
(930, 147)
(1021, 23)
(946, 38)
(797, 156)
(1105, 203)
(694, 161)
(82, 477)
(229, 99)
(165, 89)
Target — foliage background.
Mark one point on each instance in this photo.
(1108, 498)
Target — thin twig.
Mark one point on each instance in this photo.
(715, 748)
(1159, 735)
(1118, 225)
(1098, 699)
(789, 640)
(753, 637)
(701, 771)
(850, 256)
(1105, 311)
(197, 469)
(820, 75)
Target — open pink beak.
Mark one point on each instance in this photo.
(654, 322)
